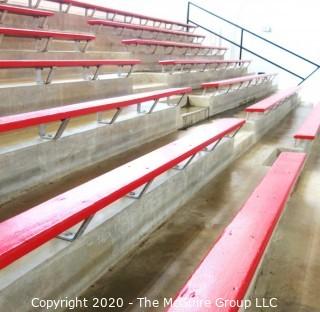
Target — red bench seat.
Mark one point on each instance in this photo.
(236, 81)
(24, 11)
(272, 101)
(91, 8)
(192, 63)
(63, 113)
(310, 127)
(29, 230)
(45, 34)
(143, 28)
(85, 63)
(175, 45)
(224, 275)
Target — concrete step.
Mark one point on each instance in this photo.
(128, 222)
(18, 98)
(192, 115)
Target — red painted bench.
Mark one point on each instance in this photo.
(47, 35)
(175, 45)
(272, 101)
(29, 230)
(239, 81)
(91, 9)
(5, 9)
(226, 64)
(226, 272)
(143, 28)
(39, 65)
(310, 127)
(64, 113)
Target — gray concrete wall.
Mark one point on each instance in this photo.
(220, 101)
(117, 230)
(42, 161)
(114, 232)
(192, 79)
(30, 97)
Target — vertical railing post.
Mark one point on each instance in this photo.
(241, 44)
(188, 13)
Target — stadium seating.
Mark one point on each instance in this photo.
(64, 113)
(141, 30)
(9, 9)
(239, 82)
(48, 36)
(72, 133)
(128, 17)
(187, 48)
(272, 102)
(221, 95)
(39, 65)
(310, 128)
(27, 231)
(225, 274)
(202, 65)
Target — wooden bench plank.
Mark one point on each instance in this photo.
(237, 80)
(201, 61)
(29, 230)
(65, 63)
(228, 269)
(35, 33)
(24, 120)
(310, 127)
(90, 6)
(25, 11)
(169, 44)
(271, 101)
(142, 27)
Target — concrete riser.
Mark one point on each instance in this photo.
(191, 79)
(49, 160)
(221, 102)
(261, 123)
(20, 99)
(117, 230)
(77, 23)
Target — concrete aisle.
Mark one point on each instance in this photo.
(291, 272)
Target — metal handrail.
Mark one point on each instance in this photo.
(240, 45)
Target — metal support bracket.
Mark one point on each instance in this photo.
(153, 106)
(138, 195)
(150, 110)
(112, 120)
(43, 23)
(178, 104)
(62, 127)
(46, 46)
(96, 73)
(206, 149)
(130, 71)
(49, 77)
(70, 237)
(3, 16)
(186, 164)
(233, 135)
(85, 47)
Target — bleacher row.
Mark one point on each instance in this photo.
(67, 216)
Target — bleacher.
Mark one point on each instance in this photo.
(87, 84)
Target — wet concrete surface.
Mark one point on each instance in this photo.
(161, 265)
(291, 268)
